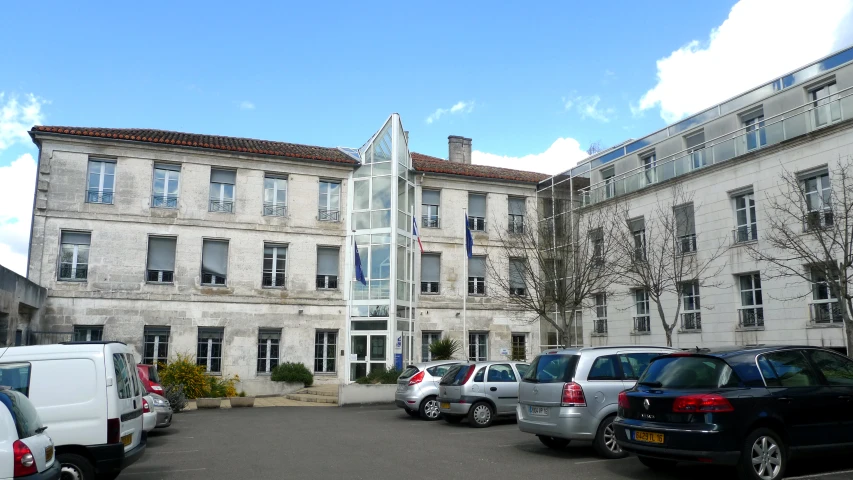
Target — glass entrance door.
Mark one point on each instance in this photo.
(370, 352)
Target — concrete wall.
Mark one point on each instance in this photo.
(20, 306)
(355, 394)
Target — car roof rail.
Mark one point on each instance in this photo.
(96, 342)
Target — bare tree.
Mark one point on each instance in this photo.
(553, 267)
(594, 147)
(809, 236)
(660, 258)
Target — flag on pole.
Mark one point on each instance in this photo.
(415, 233)
(469, 241)
(359, 273)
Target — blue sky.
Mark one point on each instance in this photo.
(533, 85)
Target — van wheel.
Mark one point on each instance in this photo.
(657, 464)
(451, 418)
(481, 415)
(553, 442)
(763, 456)
(605, 440)
(75, 467)
(429, 409)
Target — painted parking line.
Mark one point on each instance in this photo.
(479, 430)
(176, 451)
(819, 475)
(594, 461)
(150, 472)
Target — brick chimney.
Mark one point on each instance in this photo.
(459, 149)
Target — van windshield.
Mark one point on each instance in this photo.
(551, 368)
(24, 414)
(16, 376)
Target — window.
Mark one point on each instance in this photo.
(824, 305)
(605, 368)
(477, 212)
(826, 104)
(74, 256)
(24, 415)
(275, 195)
(268, 349)
(87, 333)
(638, 231)
(642, 319)
(517, 210)
(430, 270)
(517, 286)
(222, 190)
(124, 379)
(325, 344)
(167, 179)
(101, 181)
(608, 176)
(751, 311)
(747, 229)
(214, 262)
(756, 136)
(789, 369)
(650, 166)
(480, 375)
(836, 369)
(329, 209)
(500, 373)
(596, 238)
(477, 276)
(430, 202)
(275, 261)
(427, 339)
(691, 317)
(600, 323)
(327, 268)
(691, 372)
(161, 260)
(818, 194)
(685, 226)
(695, 145)
(156, 345)
(478, 347)
(519, 347)
(209, 352)
(634, 364)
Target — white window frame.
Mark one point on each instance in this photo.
(600, 314)
(823, 185)
(268, 359)
(474, 342)
(640, 246)
(757, 308)
(828, 305)
(642, 317)
(88, 329)
(272, 209)
(650, 164)
(427, 339)
(427, 214)
(74, 257)
(99, 189)
(171, 176)
(208, 360)
(275, 270)
(824, 103)
(326, 344)
(155, 332)
(608, 176)
(328, 207)
(691, 315)
(754, 126)
(751, 225)
(513, 344)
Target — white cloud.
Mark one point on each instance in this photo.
(17, 185)
(247, 105)
(562, 155)
(459, 108)
(587, 107)
(759, 40)
(17, 117)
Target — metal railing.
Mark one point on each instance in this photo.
(518, 291)
(642, 323)
(477, 224)
(68, 271)
(476, 286)
(328, 215)
(751, 317)
(327, 282)
(687, 243)
(599, 326)
(825, 312)
(745, 233)
(160, 276)
(430, 222)
(789, 124)
(99, 196)
(429, 287)
(221, 206)
(691, 321)
(164, 201)
(516, 224)
(211, 279)
(817, 220)
(273, 279)
(275, 210)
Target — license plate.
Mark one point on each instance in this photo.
(540, 411)
(445, 405)
(127, 439)
(648, 437)
(48, 453)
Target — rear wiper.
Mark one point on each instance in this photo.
(650, 384)
(41, 430)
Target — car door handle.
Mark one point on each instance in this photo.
(494, 389)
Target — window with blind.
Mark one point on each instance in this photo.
(74, 256)
(430, 206)
(101, 181)
(685, 227)
(268, 349)
(222, 190)
(275, 195)
(430, 273)
(477, 276)
(161, 260)
(275, 261)
(167, 177)
(214, 262)
(156, 345)
(638, 231)
(327, 268)
(209, 351)
(516, 277)
(477, 212)
(695, 145)
(516, 214)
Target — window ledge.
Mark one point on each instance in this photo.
(691, 330)
(640, 333)
(433, 228)
(825, 325)
(71, 280)
(326, 374)
(749, 329)
(746, 242)
(477, 295)
(213, 285)
(264, 374)
(159, 283)
(431, 294)
(598, 334)
(264, 287)
(328, 290)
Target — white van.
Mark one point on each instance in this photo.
(88, 395)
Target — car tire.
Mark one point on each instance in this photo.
(554, 442)
(412, 413)
(75, 467)
(657, 464)
(452, 418)
(605, 440)
(481, 415)
(429, 409)
(766, 447)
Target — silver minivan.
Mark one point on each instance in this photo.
(417, 388)
(480, 391)
(572, 394)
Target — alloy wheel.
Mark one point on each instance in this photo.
(482, 414)
(431, 409)
(766, 458)
(70, 472)
(610, 439)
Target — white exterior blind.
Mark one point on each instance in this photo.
(161, 253)
(430, 197)
(223, 176)
(516, 206)
(76, 238)
(327, 261)
(430, 267)
(638, 224)
(477, 267)
(214, 257)
(516, 273)
(476, 205)
(684, 221)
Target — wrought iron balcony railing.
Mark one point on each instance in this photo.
(642, 324)
(825, 312)
(275, 210)
(745, 233)
(72, 272)
(691, 321)
(751, 317)
(221, 206)
(96, 196)
(325, 215)
(164, 201)
(430, 222)
(273, 279)
(160, 276)
(599, 326)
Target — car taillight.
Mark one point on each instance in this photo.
(624, 403)
(25, 463)
(417, 378)
(703, 403)
(145, 407)
(157, 388)
(573, 395)
(468, 375)
(113, 430)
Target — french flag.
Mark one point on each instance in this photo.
(415, 233)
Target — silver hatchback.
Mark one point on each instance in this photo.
(480, 391)
(417, 388)
(572, 394)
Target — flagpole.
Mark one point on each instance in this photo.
(465, 288)
(412, 300)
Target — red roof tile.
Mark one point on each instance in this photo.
(215, 142)
(426, 163)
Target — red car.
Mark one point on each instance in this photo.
(149, 378)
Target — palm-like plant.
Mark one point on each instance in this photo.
(444, 349)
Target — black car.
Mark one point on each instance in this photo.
(751, 407)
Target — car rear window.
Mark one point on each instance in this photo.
(522, 368)
(455, 375)
(16, 376)
(689, 372)
(551, 368)
(153, 376)
(439, 370)
(409, 371)
(23, 412)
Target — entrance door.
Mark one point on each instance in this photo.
(370, 353)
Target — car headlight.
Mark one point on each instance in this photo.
(160, 403)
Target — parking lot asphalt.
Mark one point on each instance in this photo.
(382, 442)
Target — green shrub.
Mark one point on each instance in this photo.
(241, 394)
(175, 395)
(293, 372)
(385, 376)
(184, 372)
(444, 349)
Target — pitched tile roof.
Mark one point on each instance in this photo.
(426, 163)
(215, 142)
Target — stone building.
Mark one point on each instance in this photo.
(240, 252)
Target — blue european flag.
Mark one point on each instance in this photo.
(359, 273)
(469, 241)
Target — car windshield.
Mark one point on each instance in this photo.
(551, 368)
(24, 414)
(688, 372)
(409, 371)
